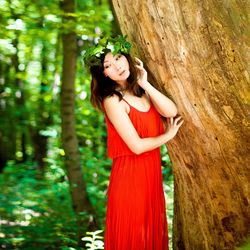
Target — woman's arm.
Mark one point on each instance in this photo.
(162, 103)
(118, 116)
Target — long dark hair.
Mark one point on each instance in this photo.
(102, 86)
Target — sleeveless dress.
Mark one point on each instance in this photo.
(136, 211)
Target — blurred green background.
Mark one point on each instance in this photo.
(35, 204)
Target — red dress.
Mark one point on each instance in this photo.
(136, 212)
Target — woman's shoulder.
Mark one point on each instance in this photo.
(112, 99)
(114, 103)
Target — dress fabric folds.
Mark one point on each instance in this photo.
(136, 210)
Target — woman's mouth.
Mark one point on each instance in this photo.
(122, 72)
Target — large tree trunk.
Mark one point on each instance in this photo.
(197, 51)
(81, 203)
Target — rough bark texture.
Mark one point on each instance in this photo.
(81, 203)
(197, 52)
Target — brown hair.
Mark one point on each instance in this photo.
(102, 86)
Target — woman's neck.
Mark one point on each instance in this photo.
(123, 84)
(121, 88)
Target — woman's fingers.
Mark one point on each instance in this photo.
(177, 120)
(180, 123)
(140, 67)
(174, 121)
(138, 60)
(171, 120)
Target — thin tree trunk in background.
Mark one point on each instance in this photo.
(19, 93)
(3, 117)
(20, 102)
(43, 119)
(9, 134)
(197, 51)
(79, 196)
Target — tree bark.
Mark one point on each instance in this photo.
(197, 52)
(81, 203)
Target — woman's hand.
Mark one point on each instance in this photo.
(173, 126)
(143, 74)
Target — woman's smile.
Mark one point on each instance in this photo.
(122, 72)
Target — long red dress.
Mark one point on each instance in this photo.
(136, 211)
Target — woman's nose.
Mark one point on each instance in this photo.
(117, 66)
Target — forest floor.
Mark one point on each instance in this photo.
(37, 214)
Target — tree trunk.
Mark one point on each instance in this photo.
(20, 100)
(197, 51)
(81, 203)
(7, 114)
(19, 90)
(5, 148)
(43, 118)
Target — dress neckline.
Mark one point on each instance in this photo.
(147, 111)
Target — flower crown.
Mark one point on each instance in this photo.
(92, 55)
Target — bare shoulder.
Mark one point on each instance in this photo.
(113, 103)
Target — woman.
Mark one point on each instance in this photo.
(136, 214)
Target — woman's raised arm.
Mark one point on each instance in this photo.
(162, 103)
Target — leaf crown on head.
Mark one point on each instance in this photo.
(118, 44)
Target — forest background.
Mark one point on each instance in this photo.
(38, 209)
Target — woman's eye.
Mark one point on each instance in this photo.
(106, 66)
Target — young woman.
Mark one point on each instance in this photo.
(136, 214)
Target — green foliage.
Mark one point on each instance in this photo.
(245, 246)
(92, 55)
(35, 203)
(94, 242)
(35, 214)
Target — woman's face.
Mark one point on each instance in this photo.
(116, 67)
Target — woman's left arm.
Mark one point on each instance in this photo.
(162, 103)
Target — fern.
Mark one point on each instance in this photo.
(94, 242)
